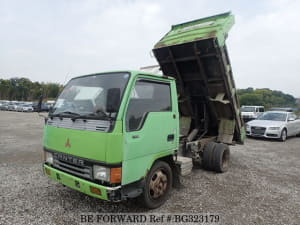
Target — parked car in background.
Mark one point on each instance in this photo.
(3, 104)
(50, 105)
(19, 107)
(12, 106)
(274, 124)
(44, 107)
(25, 107)
(250, 112)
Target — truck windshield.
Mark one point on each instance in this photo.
(87, 96)
(248, 109)
(273, 116)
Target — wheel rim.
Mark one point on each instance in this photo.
(158, 184)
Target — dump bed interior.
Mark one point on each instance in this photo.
(195, 54)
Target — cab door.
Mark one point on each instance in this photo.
(151, 126)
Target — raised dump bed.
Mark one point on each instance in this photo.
(196, 55)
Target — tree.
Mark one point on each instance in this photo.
(251, 99)
(266, 97)
(22, 89)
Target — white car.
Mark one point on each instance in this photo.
(25, 108)
(274, 124)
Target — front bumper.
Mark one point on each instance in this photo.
(84, 186)
(267, 134)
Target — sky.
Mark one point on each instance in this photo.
(55, 40)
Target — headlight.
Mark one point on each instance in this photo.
(247, 126)
(48, 157)
(101, 173)
(274, 128)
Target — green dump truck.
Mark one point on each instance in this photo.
(127, 134)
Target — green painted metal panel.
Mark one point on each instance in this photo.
(210, 27)
(105, 147)
(69, 181)
(137, 168)
(149, 143)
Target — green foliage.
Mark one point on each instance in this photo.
(266, 97)
(22, 89)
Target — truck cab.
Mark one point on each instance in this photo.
(107, 130)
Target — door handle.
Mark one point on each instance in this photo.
(135, 136)
(170, 137)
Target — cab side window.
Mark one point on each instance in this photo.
(147, 96)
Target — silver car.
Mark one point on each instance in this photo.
(27, 108)
(24, 108)
(274, 124)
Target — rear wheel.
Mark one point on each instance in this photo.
(216, 157)
(283, 135)
(208, 155)
(221, 158)
(157, 186)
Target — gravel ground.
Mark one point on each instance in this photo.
(261, 187)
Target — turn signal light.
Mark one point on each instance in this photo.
(95, 190)
(115, 175)
(48, 171)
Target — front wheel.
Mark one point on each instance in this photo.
(283, 135)
(157, 186)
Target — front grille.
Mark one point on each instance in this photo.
(258, 130)
(72, 165)
(80, 124)
(272, 135)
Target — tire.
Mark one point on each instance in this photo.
(157, 186)
(208, 154)
(221, 158)
(283, 135)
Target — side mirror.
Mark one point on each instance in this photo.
(291, 119)
(113, 100)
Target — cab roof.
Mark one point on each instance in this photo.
(132, 72)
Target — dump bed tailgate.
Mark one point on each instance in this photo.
(196, 55)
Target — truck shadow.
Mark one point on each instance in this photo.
(68, 200)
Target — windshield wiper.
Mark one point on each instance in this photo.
(103, 115)
(61, 114)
